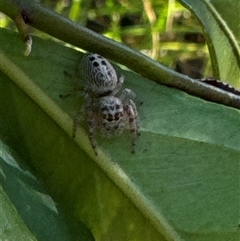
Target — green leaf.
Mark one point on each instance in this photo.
(225, 9)
(12, 226)
(220, 22)
(183, 181)
(28, 212)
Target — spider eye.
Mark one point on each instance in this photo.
(110, 118)
(118, 115)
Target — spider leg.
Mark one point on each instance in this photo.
(119, 86)
(127, 93)
(71, 93)
(131, 112)
(91, 130)
(65, 96)
(76, 122)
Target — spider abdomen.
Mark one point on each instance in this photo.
(100, 76)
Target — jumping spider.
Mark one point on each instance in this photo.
(105, 109)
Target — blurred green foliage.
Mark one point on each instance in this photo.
(162, 29)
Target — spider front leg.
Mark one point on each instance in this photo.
(132, 115)
(119, 85)
(75, 90)
(126, 94)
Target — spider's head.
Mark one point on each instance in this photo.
(111, 111)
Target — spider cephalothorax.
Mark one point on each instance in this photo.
(109, 115)
(110, 111)
(100, 76)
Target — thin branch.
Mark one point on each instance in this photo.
(155, 35)
(77, 35)
(169, 23)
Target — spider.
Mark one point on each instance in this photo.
(105, 109)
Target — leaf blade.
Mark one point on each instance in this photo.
(222, 41)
